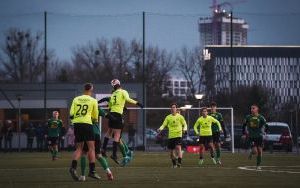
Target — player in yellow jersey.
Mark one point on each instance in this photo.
(203, 128)
(116, 106)
(176, 125)
(83, 112)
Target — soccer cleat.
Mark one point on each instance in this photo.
(174, 166)
(200, 162)
(110, 176)
(214, 160)
(178, 165)
(125, 161)
(74, 174)
(258, 168)
(81, 178)
(94, 175)
(130, 154)
(218, 161)
(54, 158)
(115, 159)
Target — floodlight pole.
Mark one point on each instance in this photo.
(19, 122)
(45, 65)
(231, 52)
(144, 93)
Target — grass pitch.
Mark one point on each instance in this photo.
(153, 170)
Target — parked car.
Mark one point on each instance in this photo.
(278, 136)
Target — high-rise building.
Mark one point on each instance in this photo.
(274, 67)
(216, 30)
(178, 87)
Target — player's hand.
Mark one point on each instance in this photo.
(63, 137)
(46, 136)
(140, 105)
(244, 136)
(158, 131)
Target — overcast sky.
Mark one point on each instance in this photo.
(170, 24)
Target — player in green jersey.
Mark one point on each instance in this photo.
(203, 127)
(116, 106)
(54, 126)
(254, 127)
(102, 160)
(176, 125)
(216, 131)
(83, 112)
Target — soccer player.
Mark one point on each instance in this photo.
(203, 127)
(176, 125)
(216, 131)
(254, 127)
(54, 126)
(102, 161)
(116, 105)
(83, 112)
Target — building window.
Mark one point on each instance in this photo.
(182, 84)
(176, 84)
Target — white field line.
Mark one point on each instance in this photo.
(253, 168)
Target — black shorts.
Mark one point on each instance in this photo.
(83, 132)
(173, 142)
(117, 123)
(205, 140)
(52, 141)
(216, 137)
(256, 141)
(97, 145)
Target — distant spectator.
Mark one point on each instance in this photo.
(30, 132)
(62, 137)
(131, 136)
(1, 135)
(8, 134)
(40, 136)
(70, 138)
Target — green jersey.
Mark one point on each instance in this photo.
(175, 124)
(218, 116)
(204, 124)
(54, 127)
(118, 99)
(255, 125)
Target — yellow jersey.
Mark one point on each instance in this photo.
(205, 125)
(84, 109)
(118, 99)
(175, 124)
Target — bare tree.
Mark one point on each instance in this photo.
(189, 65)
(22, 56)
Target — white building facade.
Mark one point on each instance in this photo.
(274, 67)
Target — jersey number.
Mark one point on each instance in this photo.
(82, 109)
(115, 99)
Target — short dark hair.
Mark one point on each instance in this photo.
(213, 103)
(88, 86)
(255, 105)
(203, 108)
(174, 104)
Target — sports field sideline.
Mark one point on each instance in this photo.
(153, 170)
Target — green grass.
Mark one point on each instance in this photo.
(151, 170)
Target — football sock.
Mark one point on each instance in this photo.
(258, 160)
(201, 156)
(179, 160)
(103, 163)
(115, 145)
(218, 152)
(74, 164)
(92, 168)
(174, 162)
(82, 165)
(105, 142)
(122, 147)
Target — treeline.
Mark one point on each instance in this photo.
(22, 60)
